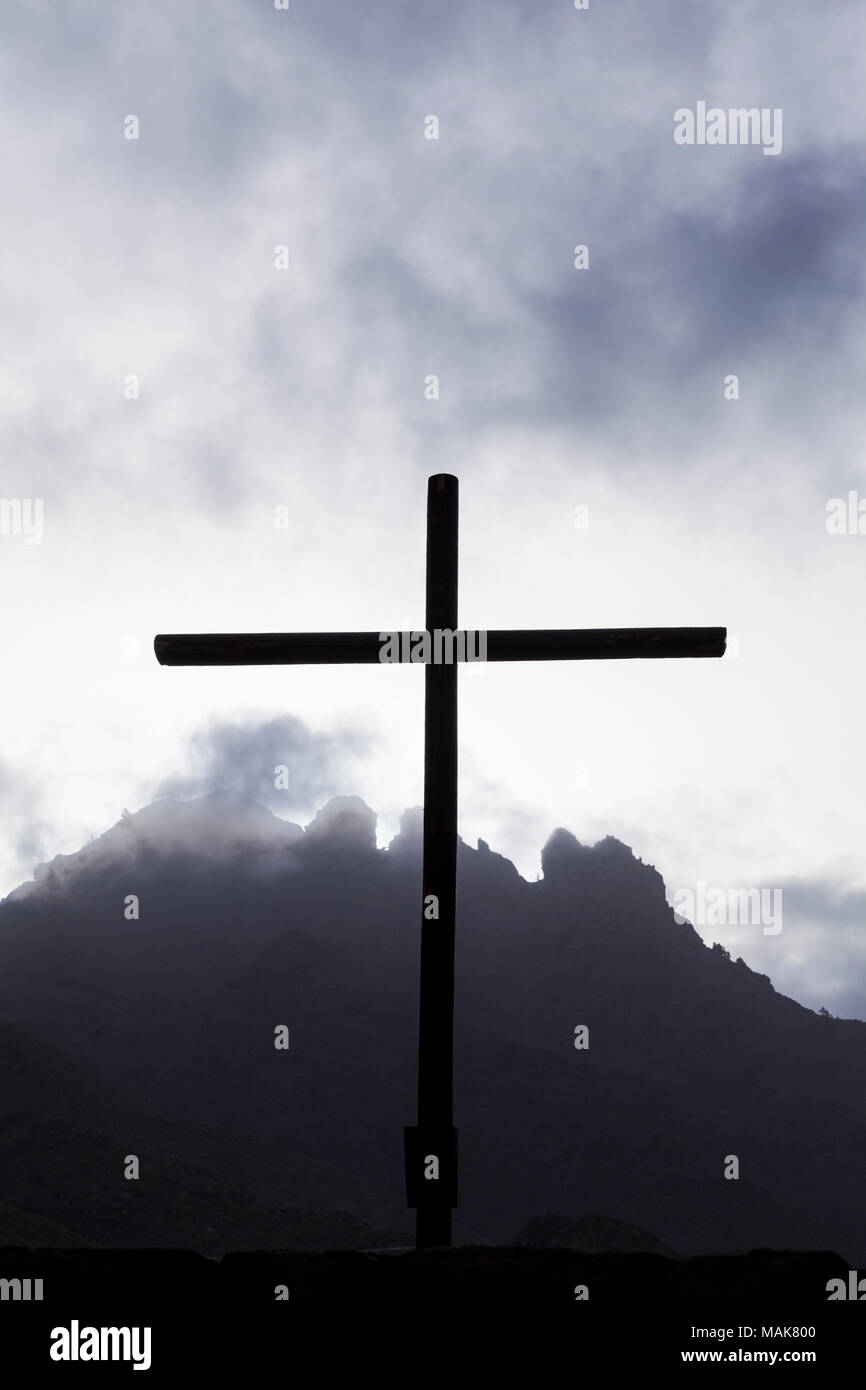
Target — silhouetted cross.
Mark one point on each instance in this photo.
(431, 1145)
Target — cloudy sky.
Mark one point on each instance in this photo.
(166, 386)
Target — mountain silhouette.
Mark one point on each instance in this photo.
(154, 1036)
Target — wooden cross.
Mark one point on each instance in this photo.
(431, 1145)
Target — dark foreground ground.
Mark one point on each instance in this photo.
(268, 1312)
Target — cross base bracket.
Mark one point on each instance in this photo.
(431, 1165)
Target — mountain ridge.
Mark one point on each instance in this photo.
(248, 923)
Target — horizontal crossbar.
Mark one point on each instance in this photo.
(334, 648)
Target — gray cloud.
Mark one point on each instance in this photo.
(241, 756)
(452, 257)
(26, 828)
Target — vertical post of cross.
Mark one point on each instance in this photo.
(431, 1148)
